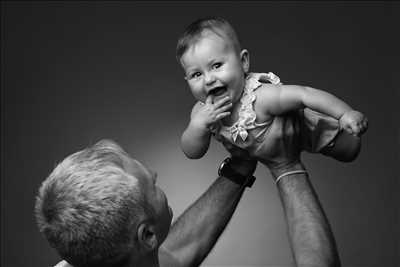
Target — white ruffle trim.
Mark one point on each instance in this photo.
(247, 115)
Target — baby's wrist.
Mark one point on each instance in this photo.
(347, 112)
(199, 127)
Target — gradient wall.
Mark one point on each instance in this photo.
(75, 73)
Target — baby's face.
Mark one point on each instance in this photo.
(213, 67)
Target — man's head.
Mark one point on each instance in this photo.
(211, 57)
(99, 207)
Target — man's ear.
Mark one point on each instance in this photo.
(147, 236)
(245, 59)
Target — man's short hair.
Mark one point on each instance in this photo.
(194, 31)
(89, 207)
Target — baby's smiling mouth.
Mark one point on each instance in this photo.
(217, 91)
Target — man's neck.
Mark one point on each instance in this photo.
(148, 260)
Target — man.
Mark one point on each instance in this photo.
(100, 207)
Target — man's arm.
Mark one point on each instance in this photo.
(310, 234)
(197, 230)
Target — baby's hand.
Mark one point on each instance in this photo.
(209, 112)
(353, 122)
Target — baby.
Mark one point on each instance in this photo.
(238, 107)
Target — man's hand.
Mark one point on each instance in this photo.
(353, 122)
(284, 149)
(236, 151)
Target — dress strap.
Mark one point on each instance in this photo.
(247, 115)
(271, 77)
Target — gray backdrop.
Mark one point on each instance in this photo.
(78, 72)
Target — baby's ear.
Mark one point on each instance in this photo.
(245, 59)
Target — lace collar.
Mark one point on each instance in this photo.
(247, 115)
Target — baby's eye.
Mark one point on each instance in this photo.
(217, 65)
(194, 75)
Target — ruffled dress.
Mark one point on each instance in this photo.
(315, 130)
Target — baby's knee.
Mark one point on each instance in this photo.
(345, 147)
(351, 154)
(350, 146)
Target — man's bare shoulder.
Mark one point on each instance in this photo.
(167, 259)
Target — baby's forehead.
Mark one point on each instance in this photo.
(209, 38)
(220, 34)
(209, 48)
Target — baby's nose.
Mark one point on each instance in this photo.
(209, 78)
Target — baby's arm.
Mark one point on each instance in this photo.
(196, 137)
(282, 98)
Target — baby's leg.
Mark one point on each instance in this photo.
(345, 147)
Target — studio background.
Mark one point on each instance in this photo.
(75, 73)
